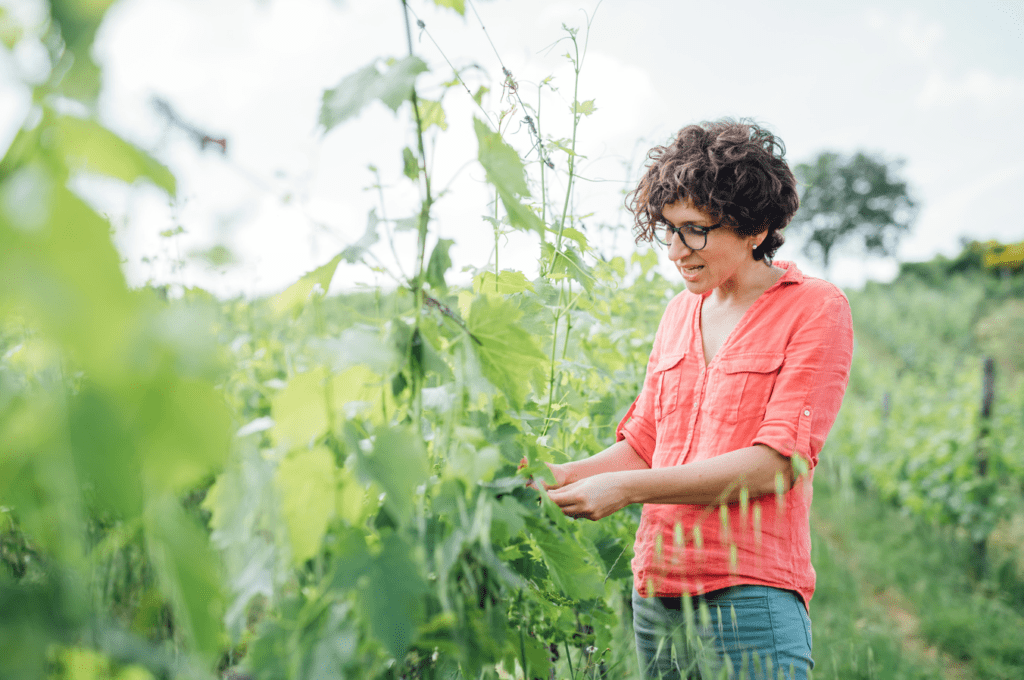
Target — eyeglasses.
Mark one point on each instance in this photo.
(693, 237)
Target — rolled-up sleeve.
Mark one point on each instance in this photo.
(811, 382)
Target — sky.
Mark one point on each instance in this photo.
(936, 85)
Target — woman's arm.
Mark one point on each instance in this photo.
(617, 457)
(706, 482)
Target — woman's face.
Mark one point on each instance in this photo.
(725, 260)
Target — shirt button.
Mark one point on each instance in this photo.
(807, 412)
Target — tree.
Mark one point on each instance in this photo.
(857, 198)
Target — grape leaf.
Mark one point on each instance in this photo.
(439, 263)
(187, 571)
(89, 146)
(501, 162)
(292, 298)
(585, 108)
(505, 171)
(243, 506)
(507, 283)
(567, 263)
(577, 236)
(392, 86)
(457, 5)
(410, 166)
(431, 113)
(393, 600)
(300, 409)
(354, 252)
(306, 481)
(187, 432)
(647, 260)
(577, 577)
(508, 354)
(398, 464)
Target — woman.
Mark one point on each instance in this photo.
(745, 379)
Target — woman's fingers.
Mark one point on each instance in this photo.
(569, 500)
(593, 498)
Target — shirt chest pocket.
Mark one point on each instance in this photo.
(669, 376)
(743, 386)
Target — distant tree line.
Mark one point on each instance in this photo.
(852, 200)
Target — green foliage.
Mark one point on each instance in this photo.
(296, 295)
(457, 5)
(911, 426)
(505, 171)
(390, 82)
(508, 354)
(88, 146)
(440, 262)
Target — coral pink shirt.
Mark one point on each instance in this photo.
(777, 380)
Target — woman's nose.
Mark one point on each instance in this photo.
(677, 250)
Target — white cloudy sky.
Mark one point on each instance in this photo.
(939, 84)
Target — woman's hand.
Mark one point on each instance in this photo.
(591, 498)
(560, 471)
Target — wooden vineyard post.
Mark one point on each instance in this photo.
(987, 397)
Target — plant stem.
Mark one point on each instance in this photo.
(552, 372)
(543, 188)
(572, 156)
(424, 220)
(497, 236)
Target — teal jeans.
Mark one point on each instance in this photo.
(742, 633)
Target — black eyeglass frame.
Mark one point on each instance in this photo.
(673, 229)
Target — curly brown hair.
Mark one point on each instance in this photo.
(734, 171)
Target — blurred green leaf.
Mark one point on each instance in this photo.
(577, 236)
(393, 599)
(300, 409)
(245, 513)
(391, 83)
(507, 282)
(647, 259)
(78, 21)
(354, 252)
(457, 5)
(188, 573)
(106, 451)
(538, 657)
(501, 162)
(10, 30)
(520, 215)
(398, 463)
(568, 263)
(432, 113)
(34, 617)
(505, 171)
(61, 268)
(585, 108)
(410, 166)
(440, 262)
(294, 297)
(88, 146)
(187, 432)
(306, 480)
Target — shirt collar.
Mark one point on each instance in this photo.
(792, 273)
